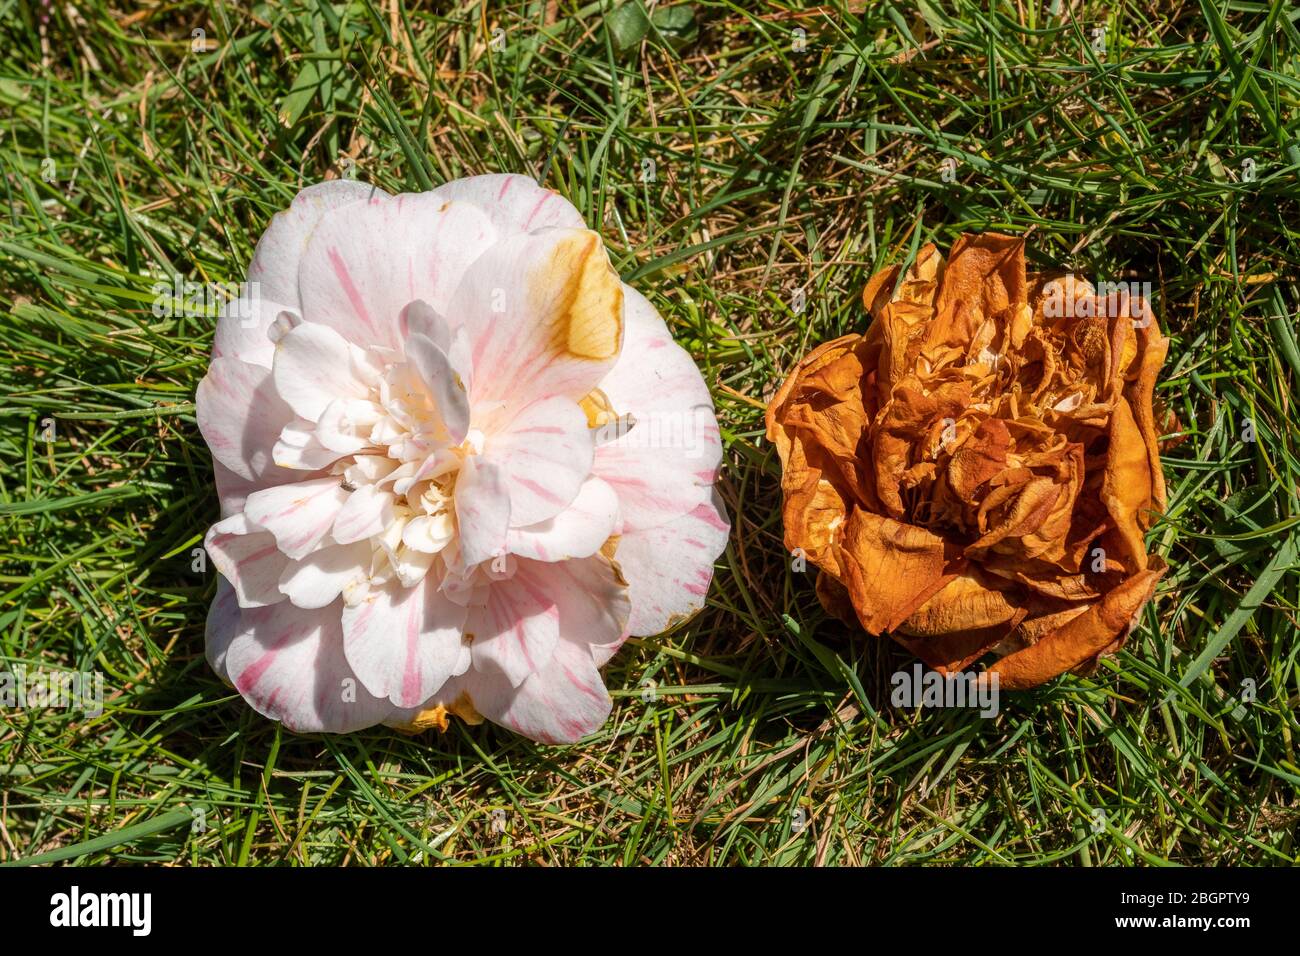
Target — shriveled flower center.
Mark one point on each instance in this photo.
(1012, 420)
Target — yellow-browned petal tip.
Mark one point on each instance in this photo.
(589, 319)
(430, 718)
(435, 717)
(598, 408)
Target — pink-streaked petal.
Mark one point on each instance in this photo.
(602, 653)
(668, 568)
(315, 366)
(299, 515)
(516, 632)
(221, 627)
(560, 704)
(593, 598)
(240, 415)
(367, 262)
(565, 699)
(665, 465)
(482, 510)
(289, 665)
(368, 511)
(544, 456)
(280, 250)
(514, 203)
(445, 386)
(248, 558)
(233, 490)
(576, 532)
(543, 314)
(404, 643)
(586, 599)
(320, 577)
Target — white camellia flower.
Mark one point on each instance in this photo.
(459, 462)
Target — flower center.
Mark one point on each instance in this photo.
(401, 477)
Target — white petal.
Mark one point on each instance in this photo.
(345, 424)
(367, 512)
(233, 490)
(482, 510)
(404, 643)
(314, 365)
(562, 703)
(411, 566)
(243, 326)
(515, 633)
(299, 449)
(320, 577)
(221, 627)
(514, 203)
(248, 558)
(420, 318)
(429, 533)
(299, 515)
(664, 467)
(444, 384)
(544, 456)
(668, 568)
(366, 263)
(576, 532)
(240, 415)
(565, 699)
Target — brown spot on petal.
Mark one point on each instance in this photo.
(587, 297)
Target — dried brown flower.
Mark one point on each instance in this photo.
(975, 473)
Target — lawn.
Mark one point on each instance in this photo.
(749, 165)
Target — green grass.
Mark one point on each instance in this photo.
(775, 170)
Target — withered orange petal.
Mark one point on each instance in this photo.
(967, 602)
(1080, 638)
(979, 458)
(879, 290)
(948, 653)
(1126, 491)
(1032, 506)
(1153, 347)
(809, 364)
(891, 568)
(984, 277)
(813, 515)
